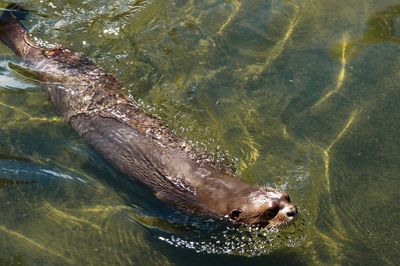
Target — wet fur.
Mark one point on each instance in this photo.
(139, 144)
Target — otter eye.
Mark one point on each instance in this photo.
(235, 214)
(272, 212)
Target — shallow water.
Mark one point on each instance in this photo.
(300, 95)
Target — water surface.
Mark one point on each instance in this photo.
(299, 95)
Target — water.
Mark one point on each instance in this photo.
(300, 95)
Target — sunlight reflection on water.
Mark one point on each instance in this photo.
(300, 95)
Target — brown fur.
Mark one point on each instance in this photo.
(139, 144)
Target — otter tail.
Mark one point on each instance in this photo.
(14, 34)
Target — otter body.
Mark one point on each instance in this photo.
(138, 144)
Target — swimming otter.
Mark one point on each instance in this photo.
(138, 144)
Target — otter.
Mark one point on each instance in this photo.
(139, 144)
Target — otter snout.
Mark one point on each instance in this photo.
(265, 207)
(290, 211)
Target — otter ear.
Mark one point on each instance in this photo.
(235, 214)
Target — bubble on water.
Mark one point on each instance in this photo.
(243, 241)
(112, 31)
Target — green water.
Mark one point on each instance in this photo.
(300, 95)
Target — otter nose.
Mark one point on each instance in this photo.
(290, 211)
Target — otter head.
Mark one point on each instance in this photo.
(265, 207)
